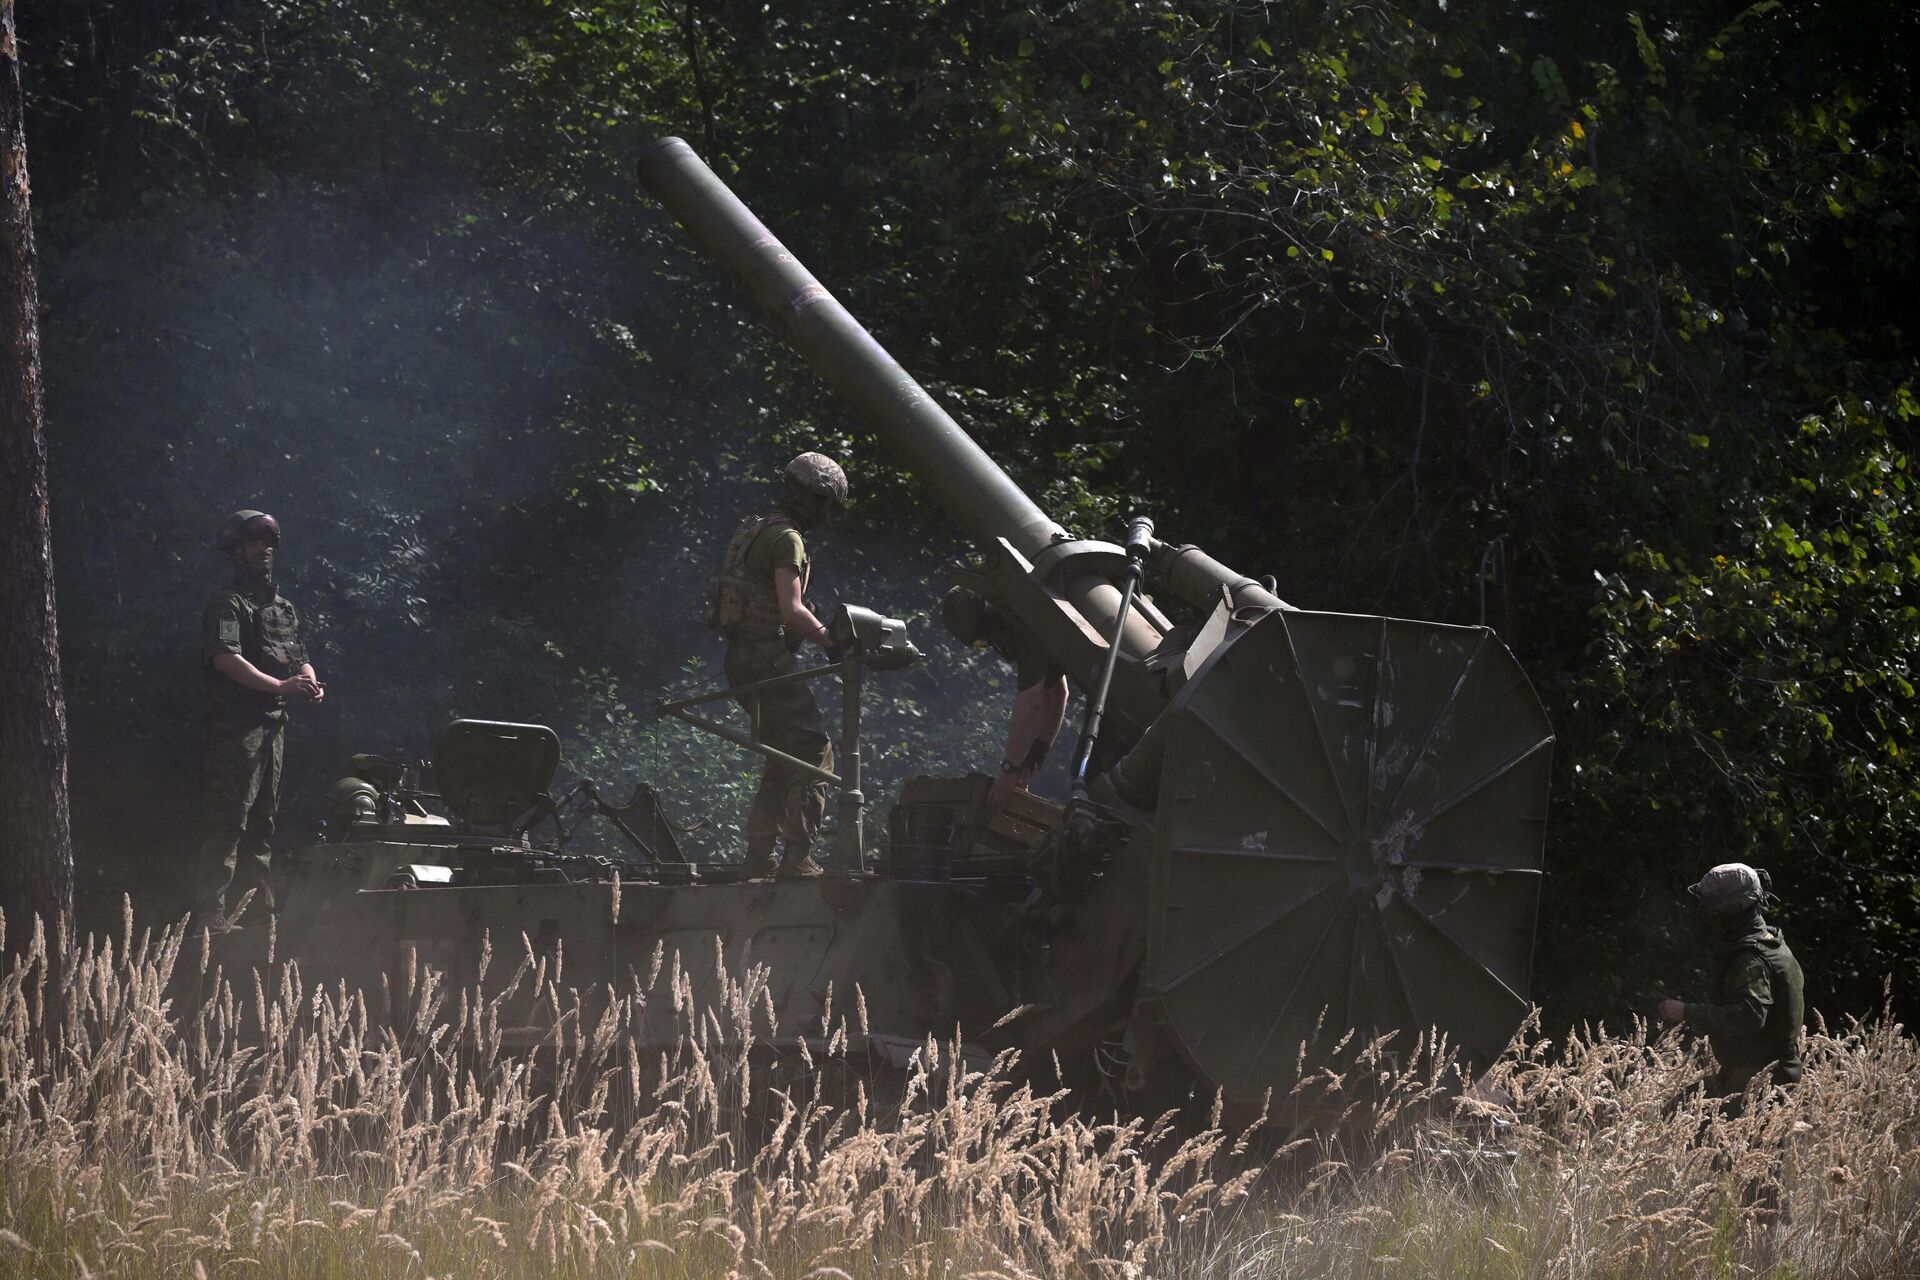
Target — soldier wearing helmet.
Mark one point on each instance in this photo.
(1040, 706)
(253, 662)
(1752, 1020)
(759, 607)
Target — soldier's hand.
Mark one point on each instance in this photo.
(1670, 1010)
(1007, 784)
(301, 687)
(319, 693)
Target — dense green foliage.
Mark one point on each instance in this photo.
(1587, 324)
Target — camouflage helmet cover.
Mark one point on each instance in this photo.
(244, 525)
(1730, 887)
(819, 475)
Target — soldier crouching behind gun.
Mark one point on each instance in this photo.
(1040, 705)
(253, 660)
(759, 606)
(1752, 1018)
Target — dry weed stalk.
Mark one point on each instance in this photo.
(288, 1128)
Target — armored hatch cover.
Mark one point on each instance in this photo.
(1350, 835)
(489, 772)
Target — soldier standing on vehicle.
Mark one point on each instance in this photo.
(1752, 1019)
(254, 661)
(1040, 706)
(759, 606)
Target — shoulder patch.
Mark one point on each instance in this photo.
(230, 631)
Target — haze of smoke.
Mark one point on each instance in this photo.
(299, 1132)
(507, 460)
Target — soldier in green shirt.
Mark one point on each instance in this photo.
(253, 661)
(759, 606)
(1752, 1019)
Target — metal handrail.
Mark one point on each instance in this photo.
(850, 839)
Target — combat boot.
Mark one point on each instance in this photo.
(800, 868)
(761, 863)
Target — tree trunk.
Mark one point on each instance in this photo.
(36, 844)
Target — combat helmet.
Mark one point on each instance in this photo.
(245, 524)
(818, 475)
(1731, 887)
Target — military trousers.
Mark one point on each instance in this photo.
(789, 805)
(240, 794)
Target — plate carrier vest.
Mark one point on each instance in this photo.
(739, 605)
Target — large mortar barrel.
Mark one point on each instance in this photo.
(929, 443)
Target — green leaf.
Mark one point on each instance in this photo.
(1649, 55)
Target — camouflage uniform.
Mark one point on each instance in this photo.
(1759, 1005)
(789, 805)
(245, 731)
(1753, 1021)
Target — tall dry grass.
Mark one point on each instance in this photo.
(281, 1129)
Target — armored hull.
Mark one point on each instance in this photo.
(1345, 844)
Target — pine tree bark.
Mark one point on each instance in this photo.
(36, 843)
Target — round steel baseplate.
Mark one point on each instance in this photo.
(1350, 831)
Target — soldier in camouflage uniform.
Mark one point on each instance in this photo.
(759, 606)
(1753, 1018)
(253, 661)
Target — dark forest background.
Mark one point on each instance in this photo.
(1591, 324)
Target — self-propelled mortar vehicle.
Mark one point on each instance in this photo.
(1322, 823)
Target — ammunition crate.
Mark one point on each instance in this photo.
(945, 827)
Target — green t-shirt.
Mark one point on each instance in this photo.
(1021, 650)
(776, 546)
